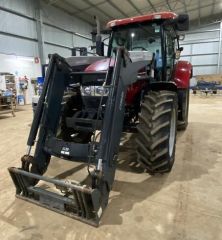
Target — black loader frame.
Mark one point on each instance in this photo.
(84, 108)
(83, 202)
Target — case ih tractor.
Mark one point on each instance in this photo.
(87, 102)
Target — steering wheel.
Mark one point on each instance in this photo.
(140, 48)
(120, 41)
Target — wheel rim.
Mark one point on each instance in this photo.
(172, 132)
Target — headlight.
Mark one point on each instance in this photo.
(94, 91)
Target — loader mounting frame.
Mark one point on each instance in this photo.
(85, 203)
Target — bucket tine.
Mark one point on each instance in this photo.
(81, 204)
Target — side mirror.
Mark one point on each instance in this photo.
(100, 48)
(151, 40)
(177, 55)
(106, 31)
(178, 52)
(182, 22)
(181, 37)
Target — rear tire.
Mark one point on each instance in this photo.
(215, 91)
(156, 137)
(184, 96)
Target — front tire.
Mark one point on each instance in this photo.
(156, 136)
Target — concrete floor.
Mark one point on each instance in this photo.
(185, 204)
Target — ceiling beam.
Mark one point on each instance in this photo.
(135, 7)
(205, 21)
(174, 7)
(87, 8)
(117, 8)
(52, 2)
(168, 4)
(185, 5)
(99, 9)
(197, 9)
(152, 6)
(70, 13)
(213, 7)
(199, 15)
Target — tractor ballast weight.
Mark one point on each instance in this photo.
(84, 97)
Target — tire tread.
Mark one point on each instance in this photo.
(154, 131)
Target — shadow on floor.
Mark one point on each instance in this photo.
(192, 161)
(9, 115)
(195, 156)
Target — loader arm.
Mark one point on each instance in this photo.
(85, 203)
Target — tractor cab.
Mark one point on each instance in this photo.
(152, 37)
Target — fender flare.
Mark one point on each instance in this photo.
(183, 72)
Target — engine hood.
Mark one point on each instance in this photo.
(101, 65)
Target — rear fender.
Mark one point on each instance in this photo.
(182, 73)
(135, 89)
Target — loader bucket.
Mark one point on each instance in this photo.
(81, 202)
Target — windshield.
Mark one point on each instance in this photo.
(140, 37)
(144, 37)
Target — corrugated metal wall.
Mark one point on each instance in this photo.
(12, 25)
(202, 47)
(18, 34)
(61, 32)
(18, 37)
(64, 36)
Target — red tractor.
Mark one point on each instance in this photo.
(158, 102)
(87, 102)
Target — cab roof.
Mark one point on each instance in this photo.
(142, 18)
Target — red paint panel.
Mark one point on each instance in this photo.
(143, 18)
(101, 65)
(182, 74)
(133, 91)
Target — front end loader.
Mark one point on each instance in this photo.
(87, 102)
